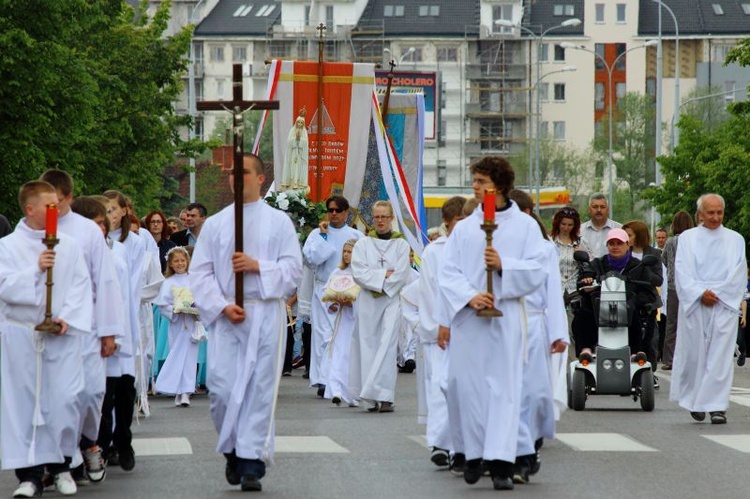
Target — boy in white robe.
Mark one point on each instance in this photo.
(322, 251)
(710, 277)
(485, 360)
(434, 358)
(380, 265)
(107, 324)
(246, 350)
(42, 374)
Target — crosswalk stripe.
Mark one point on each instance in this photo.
(739, 443)
(307, 444)
(602, 442)
(161, 446)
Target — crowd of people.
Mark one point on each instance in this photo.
(149, 305)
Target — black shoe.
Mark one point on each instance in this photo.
(741, 360)
(439, 457)
(718, 417)
(457, 464)
(698, 416)
(230, 470)
(251, 483)
(473, 471)
(535, 465)
(113, 457)
(286, 374)
(520, 474)
(298, 363)
(409, 366)
(127, 458)
(502, 483)
(321, 391)
(306, 375)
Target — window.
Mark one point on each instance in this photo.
(620, 89)
(651, 87)
(216, 53)
(415, 56)
(559, 54)
(198, 90)
(599, 96)
(563, 10)
(434, 10)
(239, 54)
(198, 53)
(544, 91)
(424, 10)
(599, 9)
(558, 130)
(447, 54)
(620, 12)
(329, 17)
(505, 12)
(559, 91)
(599, 59)
(620, 49)
(717, 9)
(729, 86)
(278, 49)
(199, 128)
(720, 52)
(388, 11)
(220, 89)
(746, 8)
(544, 130)
(544, 54)
(398, 11)
(307, 15)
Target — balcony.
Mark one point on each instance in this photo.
(484, 110)
(496, 71)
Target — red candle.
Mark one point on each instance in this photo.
(51, 225)
(489, 205)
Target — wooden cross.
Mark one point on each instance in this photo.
(238, 107)
(387, 97)
(319, 163)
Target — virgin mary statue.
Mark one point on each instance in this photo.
(295, 159)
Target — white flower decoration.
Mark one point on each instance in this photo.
(282, 195)
(301, 221)
(302, 201)
(283, 203)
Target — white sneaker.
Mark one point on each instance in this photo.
(92, 458)
(27, 489)
(177, 400)
(65, 484)
(185, 400)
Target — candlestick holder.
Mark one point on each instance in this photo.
(48, 325)
(489, 226)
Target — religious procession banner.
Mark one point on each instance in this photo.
(405, 128)
(353, 136)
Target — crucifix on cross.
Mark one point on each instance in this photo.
(238, 107)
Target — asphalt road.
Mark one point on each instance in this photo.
(612, 449)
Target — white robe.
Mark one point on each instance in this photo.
(122, 361)
(107, 316)
(485, 366)
(338, 350)
(372, 375)
(434, 360)
(323, 257)
(178, 373)
(42, 375)
(407, 338)
(702, 368)
(245, 360)
(547, 322)
(151, 284)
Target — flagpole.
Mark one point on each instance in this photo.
(319, 168)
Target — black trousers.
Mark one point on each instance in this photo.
(119, 400)
(306, 339)
(586, 332)
(289, 354)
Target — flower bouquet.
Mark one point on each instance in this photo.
(304, 213)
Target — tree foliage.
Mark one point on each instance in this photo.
(88, 87)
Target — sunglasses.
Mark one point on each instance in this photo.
(569, 211)
(336, 210)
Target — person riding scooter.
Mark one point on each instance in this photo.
(642, 298)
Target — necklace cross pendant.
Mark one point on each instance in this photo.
(382, 261)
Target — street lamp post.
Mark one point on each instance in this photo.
(676, 113)
(191, 102)
(538, 38)
(406, 54)
(610, 68)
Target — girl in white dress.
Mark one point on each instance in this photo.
(341, 291)
(175, 302)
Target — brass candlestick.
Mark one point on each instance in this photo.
(489, 226)
(48, 325)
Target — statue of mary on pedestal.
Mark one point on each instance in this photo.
(296, 157)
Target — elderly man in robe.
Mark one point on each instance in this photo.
(247, 346)
(485, 367)
(710, 277)
(322, 252)
(380, 265)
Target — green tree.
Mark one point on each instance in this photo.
(223, 132)
(88, 87)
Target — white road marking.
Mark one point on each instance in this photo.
(420, 439)
(602, 442)
(318, 445)
(161, 446)
(739, 443)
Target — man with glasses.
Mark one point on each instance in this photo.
(322, 252)
(595, 231)
(380, 265)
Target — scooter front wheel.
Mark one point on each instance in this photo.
(647, 390)
(578, 390)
